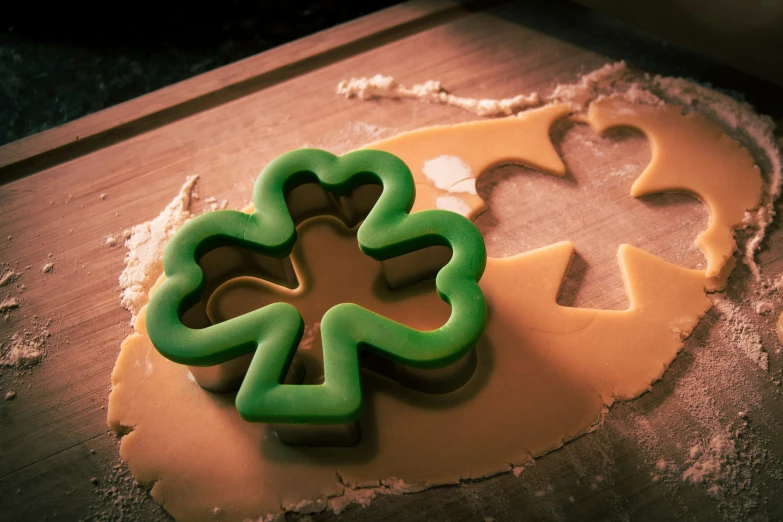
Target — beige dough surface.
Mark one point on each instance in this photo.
(481, 145)
(544, 372)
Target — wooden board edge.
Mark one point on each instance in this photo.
(222, 85)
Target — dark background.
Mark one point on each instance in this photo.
(60, 61)
(63, 60)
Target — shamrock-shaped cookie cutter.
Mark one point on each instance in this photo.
(272, 333)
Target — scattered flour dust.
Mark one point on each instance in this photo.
(716, 382)
(380, 86)
(711, 463)
(214, 204)
(764, 307)
(8, 304)
(8, 277)
(145, 244)
(725, 465)
(120, 497)
(744, 333)
(24, 349)
(26, 346)
(589, 87)
(311, 333)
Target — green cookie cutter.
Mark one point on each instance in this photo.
(274, 331)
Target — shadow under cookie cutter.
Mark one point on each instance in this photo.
(295, 186)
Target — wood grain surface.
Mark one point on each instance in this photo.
(225, 126)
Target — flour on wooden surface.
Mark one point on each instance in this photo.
(764, 307)
(120, 497)
(145, 244)
(589, 86)
(717, 451)
(380, 86)
(22, 346)
(744, 334)
(8, 304)
(711, 462)
(726, 465)
(9, 276)
(214, 204)
(578, 94)
(24, 349)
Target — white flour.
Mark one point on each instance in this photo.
(589, 87)
(8, 304)
(744, 334)
(710, 463)
(146, 243)
(380, 86)
(24, 349)
(214, 204)
(452, 204)
(450, 173)
(8, 277)
(578, 95)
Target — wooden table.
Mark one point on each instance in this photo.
(226, 125)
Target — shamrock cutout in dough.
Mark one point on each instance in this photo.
(274, 331)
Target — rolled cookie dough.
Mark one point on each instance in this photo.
(544, 371)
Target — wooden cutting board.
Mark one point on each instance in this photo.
(225, 126)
